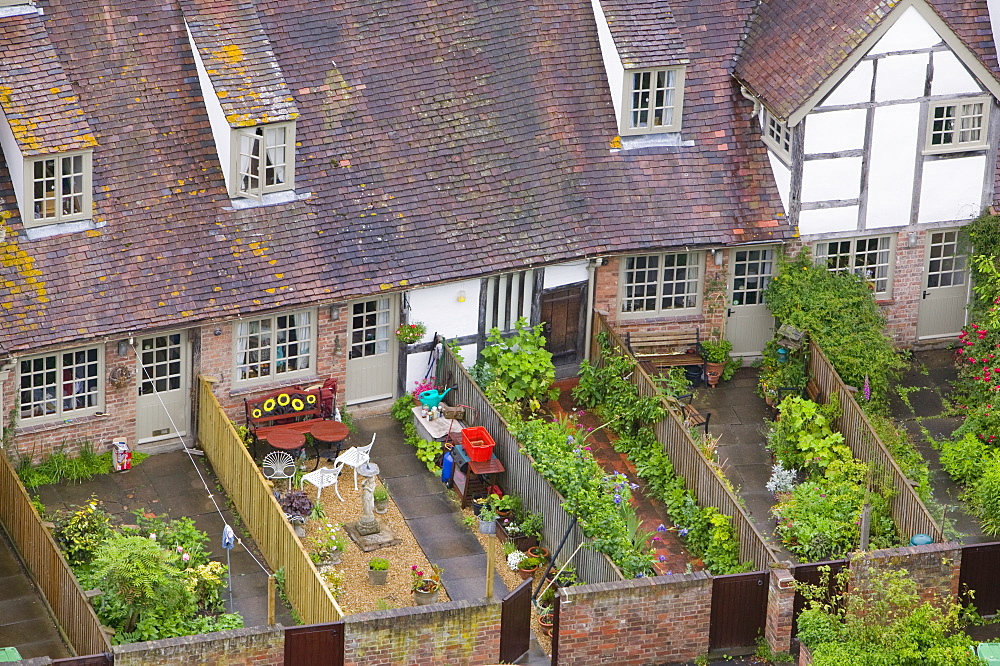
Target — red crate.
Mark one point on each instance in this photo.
(477, 443)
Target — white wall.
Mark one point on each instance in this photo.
(15, 162)
(221, 131)
(560, 274)
(825, 220)
(440, 310)
(950, 76)
(612, 60)
(910, 31)
(835, 131)
(891, 170)
(782, 178)
(952, 189)
(830, 180)
(855, 88)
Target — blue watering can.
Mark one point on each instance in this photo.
(431, 398)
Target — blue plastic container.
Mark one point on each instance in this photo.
(447, 463)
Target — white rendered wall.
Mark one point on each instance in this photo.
(416, 365)
(891, 170)
(855, 88)
(830, 180)
(835, 131)
(951, 77)
(901, 76)
(15, 162)
(952, 189)
(560, 274)
(782, 178)
(440, 310)
(221, 131)
(612, 60)
(910, 31)
(825, 220)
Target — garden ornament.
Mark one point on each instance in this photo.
(432, 398)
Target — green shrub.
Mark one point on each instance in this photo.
(985, 495)
(521, 365)
(965, 459)
(378, 564)
(803, 436)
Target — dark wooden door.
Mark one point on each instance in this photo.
(563, 313)
(739, 610)
(106, 659)
(315, 644)
(554, 659)
(979, 577)
(813, 574)
(515, 623)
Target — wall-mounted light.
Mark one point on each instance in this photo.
(336, 345)
(461, 295)
(217, 331)
(123, 347)
(717, 255)
(911, 239)
(334, 312)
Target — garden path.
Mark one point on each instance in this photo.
(669, 547)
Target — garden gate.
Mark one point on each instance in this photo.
(739, 610)
(315, 644)
(515, 623)
(978, 576)
(811, 574)
(106, 659)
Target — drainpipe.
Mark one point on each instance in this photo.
(6, 364)
(748, 95)
(591, 278)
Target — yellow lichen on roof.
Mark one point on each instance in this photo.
(27, 280)
(229, 53)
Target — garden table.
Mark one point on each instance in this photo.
(331, 434)
(285, 440)
(478, 476)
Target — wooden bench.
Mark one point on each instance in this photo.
(687, 412)
(655, 350)
(295, 409)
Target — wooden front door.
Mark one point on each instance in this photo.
(749, 324)
(946, 287)
(372, 351)
(163, 406)
(563, 314)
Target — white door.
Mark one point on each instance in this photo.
(749, 324)
(163, 406)
(371, 357)
(946, 287)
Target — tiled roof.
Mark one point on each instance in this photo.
(792, 47)
(440, 141)
(237, 55)
(645, 33)
(41, 107)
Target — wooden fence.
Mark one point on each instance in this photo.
(700, 476)
(908, 511)
(48, 567)
(260, 511)
(521, 478)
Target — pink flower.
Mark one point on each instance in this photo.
(185, 557)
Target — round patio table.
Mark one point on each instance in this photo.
(286, 440)
(330, 434)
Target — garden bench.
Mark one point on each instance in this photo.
(289, 410)
(687, 412)
(655, 350)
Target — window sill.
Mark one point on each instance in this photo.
(49, 230)
(244, 388)
(272, 199)
(650, 317)
(956, 150)
(60, 423)
(652, 140)
(885, 302)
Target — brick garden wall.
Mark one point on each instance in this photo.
(453, 633)
(640, 621)
(256, 646)
(935, 567)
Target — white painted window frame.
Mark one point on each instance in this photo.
(83, 181)
(629, 105)
(959, 145)
(822, 256)
(254, 166)
(776, 134)
(245, 329)
(692, 294)
(92, 384)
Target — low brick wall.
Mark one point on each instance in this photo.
(640, 621)
(259, 646)
(935, 567)
(780, 607)
(454, 633)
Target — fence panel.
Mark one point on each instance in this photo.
(978, 582)
(260, 511)
(908, 511)
(521, 478)
(47, 566)
(699, 475)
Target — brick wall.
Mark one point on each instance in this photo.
(935, 567)
(454, 633)
(640, 621)
(254, 646)
(780, 601)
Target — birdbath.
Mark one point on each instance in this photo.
(368, 524)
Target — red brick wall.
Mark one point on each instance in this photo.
(254, 646)
(640, 621)
(935, 567)
(780, 600)
(453, 633)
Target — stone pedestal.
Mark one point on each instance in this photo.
(367, 532)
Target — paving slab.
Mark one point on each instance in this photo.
(25, 622)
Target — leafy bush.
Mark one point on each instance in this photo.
(964, 459)
(296, 503)
(803, 437)
(82, 532)
(838, 311)
(378, 564)
(985, 495)
(521, 365)
(58, 466)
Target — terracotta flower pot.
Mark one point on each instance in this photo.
(538, 551)
(713, 373)
(546, 621)
(525, 574)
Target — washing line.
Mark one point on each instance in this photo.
(187, 450)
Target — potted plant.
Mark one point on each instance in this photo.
(527, 567)
(425, 588)
(378, 570)
(538, 552)
(381, 497)
(410, 333)
(487, 520)
(717, 355)
(546, 621)
(297, 507)
(505, 506)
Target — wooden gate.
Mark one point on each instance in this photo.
(811, 574)
(315, 644)
(515, 623)
(739, 610)
(554, 659)
(563, 312)
(107, 659)
(979, 577)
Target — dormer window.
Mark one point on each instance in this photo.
(653, 100)
(264, 160)
(59, 189)
(777, 135)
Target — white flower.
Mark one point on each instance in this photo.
(514, 559)
(152, 536)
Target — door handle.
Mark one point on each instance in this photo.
(925, 294)
(729, 312)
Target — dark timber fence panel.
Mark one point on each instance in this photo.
(979, 577)
(515, 623)
(908, 511)
(700, 476)
(739, 610)
(521, 478)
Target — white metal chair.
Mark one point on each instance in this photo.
(356, 456)
(279, 465)
(324, 477)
